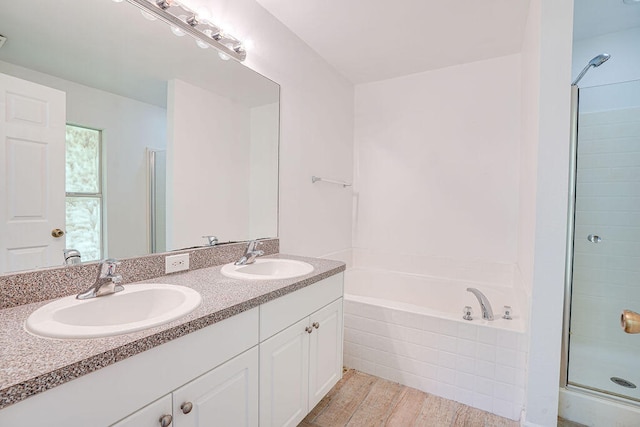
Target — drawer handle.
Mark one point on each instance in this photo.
(186, 407)
(316, 325)
(308, 330)
(165, 420)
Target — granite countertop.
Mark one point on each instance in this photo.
(31, 364)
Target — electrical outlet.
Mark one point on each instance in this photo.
(173, 263)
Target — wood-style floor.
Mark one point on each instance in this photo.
(361, 400)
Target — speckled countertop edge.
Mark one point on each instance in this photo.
(31, 365)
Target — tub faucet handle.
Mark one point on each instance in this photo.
(467, 311)
(507, 312)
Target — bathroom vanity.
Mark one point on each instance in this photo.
(256, 352)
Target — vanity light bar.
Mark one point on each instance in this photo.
(169, 11)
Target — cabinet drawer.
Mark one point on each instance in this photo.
(281, 312)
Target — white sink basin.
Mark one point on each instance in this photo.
(137, 307)
(267, 269)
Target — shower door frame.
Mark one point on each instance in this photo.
(571, 217)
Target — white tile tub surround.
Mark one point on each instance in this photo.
(478, 363)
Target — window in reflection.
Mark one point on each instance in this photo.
(84, 191)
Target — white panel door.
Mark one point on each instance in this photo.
(155, 414)
(284, 377)
(225, 396)
(32, 166)
(325, 351)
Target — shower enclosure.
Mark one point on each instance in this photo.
(603, 267)
(157, 178)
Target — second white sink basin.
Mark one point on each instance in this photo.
(268, 269)
(135, 308)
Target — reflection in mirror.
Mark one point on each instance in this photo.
(125, 138)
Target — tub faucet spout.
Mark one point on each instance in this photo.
(485, 305)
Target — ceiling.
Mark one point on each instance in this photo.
(371, 40)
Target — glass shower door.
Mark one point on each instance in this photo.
(606, 244)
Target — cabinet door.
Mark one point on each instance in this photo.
(149, 416)
(325, 351)
(225, 396)
(284, 376)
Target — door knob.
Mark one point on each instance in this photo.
(316, 325)
(630, 322)
(308, 330)
(57, 233)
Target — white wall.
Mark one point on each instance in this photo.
(437, 167)
(316, 129)
(529, 134)
(207, 167)
(623, 65)
(129, 127)
(263, 183)
(553, 33)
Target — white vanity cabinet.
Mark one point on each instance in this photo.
(302, 357)
(156, 414)
(131, 391)
(224, 396)
(267, 366)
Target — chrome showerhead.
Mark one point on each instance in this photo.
(599, 60)
(595, 62)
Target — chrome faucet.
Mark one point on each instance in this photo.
(72, 257)
(250, 254)
(485, 306)
(211, 240)
(106, 282)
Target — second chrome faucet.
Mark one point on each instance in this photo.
(251, 253)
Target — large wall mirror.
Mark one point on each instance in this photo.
(122, 138)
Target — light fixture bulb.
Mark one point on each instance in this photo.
(203, 13)
(248, 45)
(117, 1)
(223, 56)
(201, 44)
(148, 16)
(177, 31)
(631, 2)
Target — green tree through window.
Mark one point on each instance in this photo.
(84, 192)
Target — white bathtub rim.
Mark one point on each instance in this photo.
(515, 325)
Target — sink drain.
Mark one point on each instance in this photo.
(623, 382)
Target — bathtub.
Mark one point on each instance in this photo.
(409, 329)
